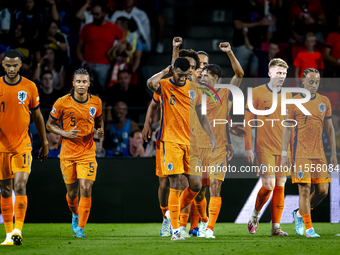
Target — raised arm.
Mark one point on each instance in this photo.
(40, 125)
(176, 43)
(239, 73)
(153, 82)
(330, 133)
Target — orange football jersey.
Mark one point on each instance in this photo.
(308, 132)
(16, 100)
(269, 136)
(72, 113)
(216, 111)
(177, 104)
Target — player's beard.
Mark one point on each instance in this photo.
(11, 78)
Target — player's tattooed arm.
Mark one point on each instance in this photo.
(153, 82)
(99, 125)
(53, 127)
(150, 114)
(176, 43)
(239, 73)
(330, 133)
(40, 125)
(287, 132)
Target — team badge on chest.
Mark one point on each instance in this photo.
(322, 108)
(192, 94)
(93, 111)
(22, 96)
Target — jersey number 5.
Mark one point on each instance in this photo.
(172, 100)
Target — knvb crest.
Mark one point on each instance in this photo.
(22, 96)
(322, 108)
(93, 111)
(192, 94)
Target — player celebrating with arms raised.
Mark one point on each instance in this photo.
(79, 113)
(18, 96)
(268, 147)
(181, 101)
(310, 163)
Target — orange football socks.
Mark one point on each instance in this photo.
(183, 219)
(164, 209)
(202, 209)
(72, 204)
(194, 216)
(174, 207)
(187, 197)
(84, 210)
(214, 210)
(307, 220)
(20, 207)
(7, 213)
(277, 204)
(262, 197)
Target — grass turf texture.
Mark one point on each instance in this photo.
(144, 239)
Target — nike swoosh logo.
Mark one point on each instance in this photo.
(1, 95)
(72, 112)
(171, 90)
(24, 166)
(89, 174)
(5, 209)
(266, 101)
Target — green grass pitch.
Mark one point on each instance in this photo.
(144, 239)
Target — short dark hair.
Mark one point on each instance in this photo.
(213, 70)
(132, 133)
(123, 71)
(81, 71)
(201, 52)
(309, 70)
(46, 72)
(190, 54)
(12, 54)
(182, 63)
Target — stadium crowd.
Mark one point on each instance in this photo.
(112, 39)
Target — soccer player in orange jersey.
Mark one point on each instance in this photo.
(310, 163)
(181, 103)
(211, 75)
(18, 97)
(268, 147)
(78, 114)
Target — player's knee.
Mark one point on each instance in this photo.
(6, 191)
(196, 186)
(72, 194)
(269, 183)
(20, 188)
(323, 192)
(86, 189)
(215, 190)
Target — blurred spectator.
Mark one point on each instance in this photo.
(100, 151)
(51, 11)
(97, 38)
(135, 148)
(132, 95)
(140, 17)
(332, 52)
(327, 89)
(48, 63)
(3, 49)
(30, 17)
(119, 60)
(84, 14)
(54, 144)
(308, 58)
(48, 95)
(306, 16)
(5, 19)
(136, 44)
(52, 38)
(18, 41)
(251, 23)
(265, 57)
(116, 139)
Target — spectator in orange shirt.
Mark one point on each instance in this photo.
(308, 58)
(332, 52)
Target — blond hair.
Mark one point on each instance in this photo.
(277, 62)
